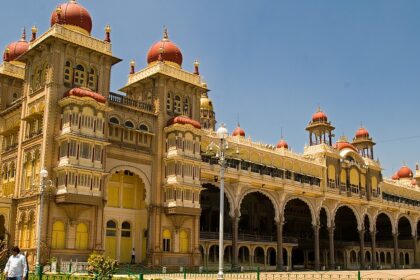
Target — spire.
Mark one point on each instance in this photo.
(23, 37)
(165, 33)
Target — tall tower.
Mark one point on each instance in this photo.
(320, 129)
(63, 130)
(174, 205)
(363, 143)
(207, 115)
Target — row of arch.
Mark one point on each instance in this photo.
(256, 218)
(128, 124)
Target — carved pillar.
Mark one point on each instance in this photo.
(362, 248)
(415, 250)
(316, 246)
(331, 239)
(235, 223)
(280, 245)
(396, 249)
(373, 239)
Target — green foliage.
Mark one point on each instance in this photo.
(101, 267)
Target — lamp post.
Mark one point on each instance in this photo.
(43, 174)
(222, 134)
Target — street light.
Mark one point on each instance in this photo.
(43, 174)
(222, 134)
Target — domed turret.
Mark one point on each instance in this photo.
(343, 143)
(165, 50)
(362, 133)
(405, 173)
(16, 49)
(207, 116)
(364, 143)
(320, 130)
(238, 131)
(74, 16)
(282, 144)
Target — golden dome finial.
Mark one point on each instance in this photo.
(58, 10)
(196, 64)
(108, 28)
(34, 30)
(132, 66)
(165, 32)
(108, 33)
(7, 51)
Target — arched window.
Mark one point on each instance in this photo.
(129, 124)
(183, 241)
(169, 102)
(110, 240)
(114, 120)
(177, 104)
(79, 76)
(82, 236)
(166, 240)
(31, 230)
(125, 229)
(111, 228)
(68, 73)
(187, 106)
(58, 235)
(92, 84)
(143, 127)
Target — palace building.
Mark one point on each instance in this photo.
(135, 169)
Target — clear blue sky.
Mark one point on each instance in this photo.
(274, 62)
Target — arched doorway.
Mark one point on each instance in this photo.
(346, 234)
(298, 227)
(257, 223)
(244, 256)
(257, 217)
(259, 256)
(384, 236)
(404, 237)
(209, 219)
(271, 256)
(126, 193)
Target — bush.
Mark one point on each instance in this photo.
(101, 267)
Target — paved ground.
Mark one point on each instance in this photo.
(406, 274)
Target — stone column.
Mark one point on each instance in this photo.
(396, 261)
(362, 248)
(415, 250)
(331, 239)
(373, 239)
(280, 245)
(316, 246)
(235, 223)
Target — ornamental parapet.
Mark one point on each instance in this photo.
(166, 69)
(9, 69)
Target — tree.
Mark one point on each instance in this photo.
(102, 267)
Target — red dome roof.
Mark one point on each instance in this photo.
(395, 177)
(343, 145)
(238, 132)
(16, 49)
(72, 13)
(319, 116)
(184, 120)
(362, 133)
(282, 144)
(165, 50)
(80, 92)
(405, 172)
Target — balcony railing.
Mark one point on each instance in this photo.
(120, 99)
(246, 237)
